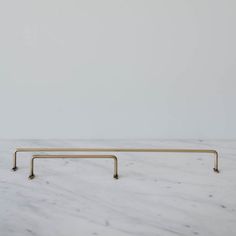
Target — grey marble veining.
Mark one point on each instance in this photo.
(157, 194)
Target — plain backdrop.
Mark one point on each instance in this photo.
(117, 69)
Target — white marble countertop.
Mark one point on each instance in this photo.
(156, 194)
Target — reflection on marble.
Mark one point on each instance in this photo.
(157, 193)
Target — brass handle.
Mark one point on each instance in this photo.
(211, 151)
(31, 176)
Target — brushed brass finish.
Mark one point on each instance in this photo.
(171, 150)
(31, 176)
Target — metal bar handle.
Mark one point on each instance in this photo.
(171, 150)
(31, 176)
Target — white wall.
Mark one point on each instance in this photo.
(117, 69)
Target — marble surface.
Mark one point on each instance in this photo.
(156, 194)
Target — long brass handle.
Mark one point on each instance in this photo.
(216, 162)
(31, 176)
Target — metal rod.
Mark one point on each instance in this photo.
(171, 150)
(14, 168)
(216, 163)
(31, 176)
